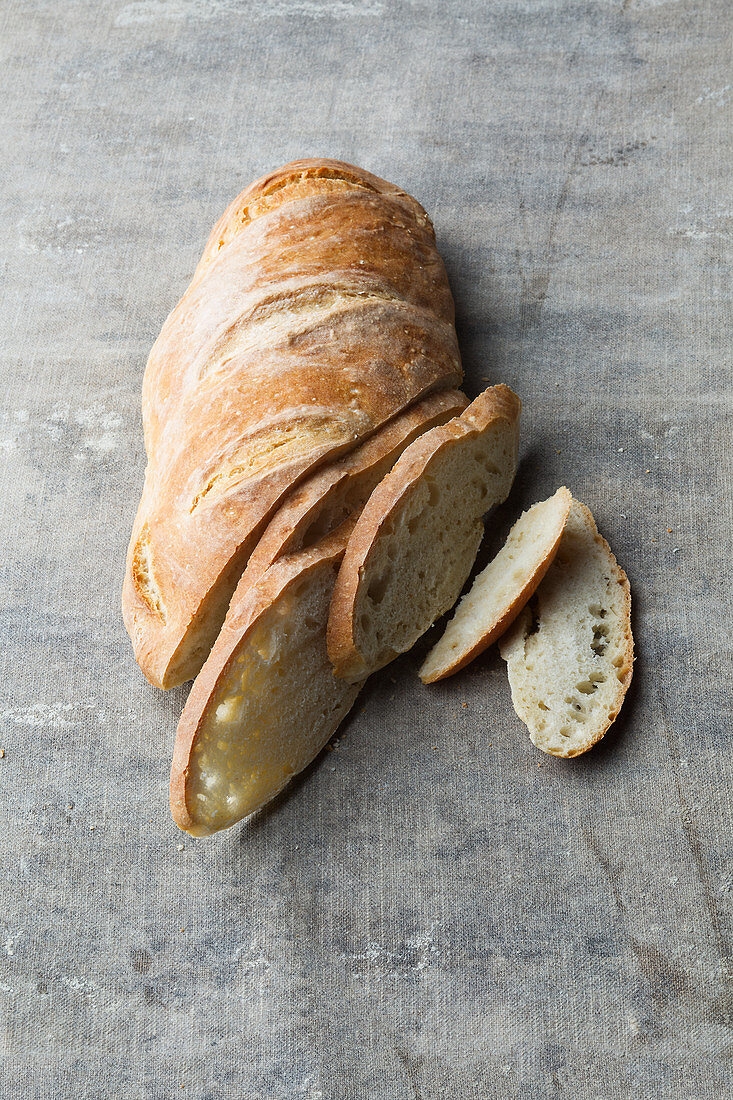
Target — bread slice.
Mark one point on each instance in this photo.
(332, 495)
(502, 589)
(415, 542)
(266, 701)
(570, 653)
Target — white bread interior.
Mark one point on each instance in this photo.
(274, 704)
(501, 590)
(570, 653)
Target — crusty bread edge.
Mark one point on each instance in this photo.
(512, 611)
(503, 404)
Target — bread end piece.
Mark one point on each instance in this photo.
(502, 589)
(570, 653)
(266, 701)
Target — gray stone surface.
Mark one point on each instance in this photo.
(435, 910)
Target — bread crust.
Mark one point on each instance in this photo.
(624, 674)
(496, 403)
(520, 598)
(320, 309)
(246, 608)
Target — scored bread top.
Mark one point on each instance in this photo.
(320, 309)
(570, 653)
(502, 589)
(415, 542)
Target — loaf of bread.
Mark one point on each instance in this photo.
(570, 653)
(319, 310)
(501, 590)
(414, 544)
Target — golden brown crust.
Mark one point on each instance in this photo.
(310, 176)
(498, 402)
(245, 609)
(318, 312)
(512, 610)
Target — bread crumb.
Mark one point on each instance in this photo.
(179, 847)
(92, 828)
(669, 530)
(464, 704)
(647, 471)
(2, 754)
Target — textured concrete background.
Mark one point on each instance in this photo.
(435, 910)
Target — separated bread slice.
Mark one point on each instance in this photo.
(502, 589)
(266, 701)
(415, 542)
(570, 653)
(332, 495)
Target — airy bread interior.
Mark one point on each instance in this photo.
(570, 653)
(502, 589)
(274, 706)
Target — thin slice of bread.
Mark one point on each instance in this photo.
(416, 540)
(329, 497)
(502, 589)
(266, 701)
(570, 653)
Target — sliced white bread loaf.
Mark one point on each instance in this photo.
(417, 537)
(266, 701)
(329, 497)
(570, 653)
(502, 589)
